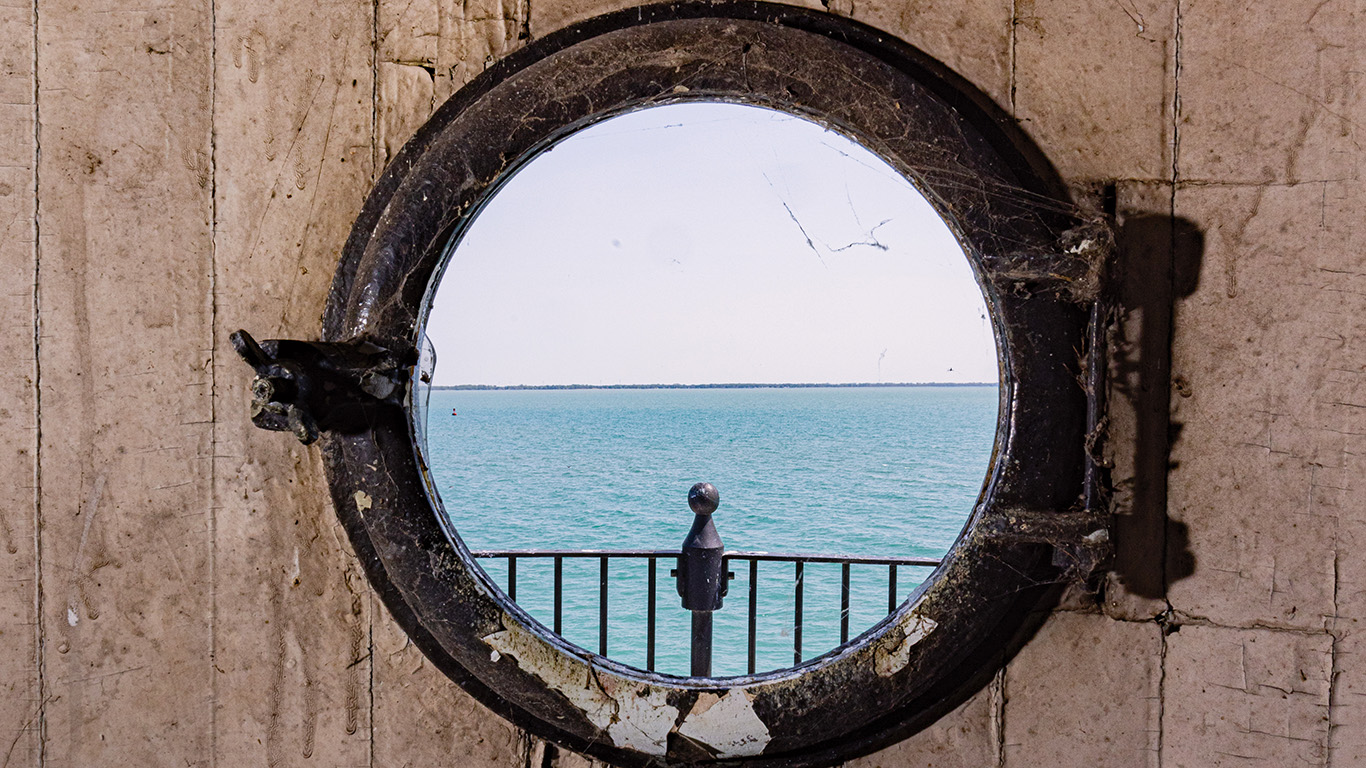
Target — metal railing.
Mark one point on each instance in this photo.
(703, 574)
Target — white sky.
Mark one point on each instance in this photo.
(663, 247)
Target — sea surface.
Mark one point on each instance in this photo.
(833, 470)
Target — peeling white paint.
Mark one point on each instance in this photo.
(634, 715)
(914, 628)
(363, 501)
(727, 724)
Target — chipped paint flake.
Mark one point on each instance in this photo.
(914, 628)
(633, 715)
(727, 724)
(363, 501)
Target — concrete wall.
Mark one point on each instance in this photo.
(180, 594)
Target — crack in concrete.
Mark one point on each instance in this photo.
(213, 386)
(40, 623)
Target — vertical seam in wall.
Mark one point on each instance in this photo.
(1014, 25)
(1333, 648)
(375, 151)
(999, 715)
(1161, 695)
(213, 382)
(1171, 289)
(375, 154)
(40, 660)
(1171, 335)
(371, 649)
(1176, 102)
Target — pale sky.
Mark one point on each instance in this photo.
(708, 243)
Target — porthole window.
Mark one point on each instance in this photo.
(721, 291)
(578, 290)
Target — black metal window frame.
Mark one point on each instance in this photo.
(1040, 520)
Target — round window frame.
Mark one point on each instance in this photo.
(987, 182)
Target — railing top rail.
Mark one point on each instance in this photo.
(806, 557)
(788, 557)
(574, 552)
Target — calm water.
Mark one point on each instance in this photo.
(869, 471)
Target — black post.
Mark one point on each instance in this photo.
(701, 573)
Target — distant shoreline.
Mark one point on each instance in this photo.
(851, 385)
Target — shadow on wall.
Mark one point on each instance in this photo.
(1159, 258)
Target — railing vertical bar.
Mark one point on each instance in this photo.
(891, 588)
(844, 603)
(797, 616)
(753, 612)
(602, 606)
(559, 593)
(650, 621)
(512, 578)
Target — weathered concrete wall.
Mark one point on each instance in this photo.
(180, 594)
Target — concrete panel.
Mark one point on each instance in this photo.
(408, 31)
(1255, 344)
(560, 758)
(473, 35)
(1094, 85)
(20, 689)
(1139, 401)
(1245, 697)
(552, 16)
(1085, 692)
(293, 163)
(1347, 735)
(1336, 414)
(549, 17)
(404, 102)
(1270, 93)
(199, 602)
(127, 416)
(422, 718)
(405, 72)
(968, 737)
(971, 37)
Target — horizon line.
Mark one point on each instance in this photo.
(734, 385)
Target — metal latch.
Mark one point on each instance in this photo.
(310, 387)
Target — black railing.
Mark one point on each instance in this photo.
(702, 572)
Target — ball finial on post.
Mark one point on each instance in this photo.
(703, 498)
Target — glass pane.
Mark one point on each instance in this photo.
(721, 293)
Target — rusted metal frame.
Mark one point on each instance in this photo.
(428, 578)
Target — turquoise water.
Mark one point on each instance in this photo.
(857, 471)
